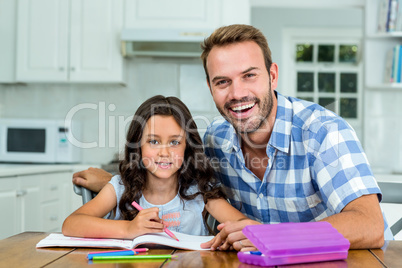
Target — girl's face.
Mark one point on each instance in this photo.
(163, 144)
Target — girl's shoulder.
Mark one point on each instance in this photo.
(118, 185)
(193, 189)
(116, 179)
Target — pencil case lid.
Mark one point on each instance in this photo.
(287, 243)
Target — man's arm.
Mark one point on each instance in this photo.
(360, 221)
(93, 179)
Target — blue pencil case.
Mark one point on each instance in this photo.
(291, 243)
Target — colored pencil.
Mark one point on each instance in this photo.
(136, 250)
(169, 233)
(119, 253)
(135, 257)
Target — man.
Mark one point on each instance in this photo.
(282, 159)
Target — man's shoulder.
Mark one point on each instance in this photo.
(309, 116)
(318, 127)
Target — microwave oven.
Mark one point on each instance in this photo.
(38, 141)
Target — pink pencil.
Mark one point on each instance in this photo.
(167, 231)
(137, 250)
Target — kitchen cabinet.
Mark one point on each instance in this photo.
(37, 202)
(8, 207)
(7, 44)
(54, 205)
(185, 14)
(28, 198)
(20, 198)
(69, 41)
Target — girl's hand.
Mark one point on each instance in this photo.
(146, 221)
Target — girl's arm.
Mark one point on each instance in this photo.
(88, 221)
(222, 211)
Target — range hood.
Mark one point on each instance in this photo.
(163, 42)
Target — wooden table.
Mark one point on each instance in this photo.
(19, 251)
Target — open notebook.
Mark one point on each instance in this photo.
(189, 242)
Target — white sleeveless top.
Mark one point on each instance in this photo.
(184, 216)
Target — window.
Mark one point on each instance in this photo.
(326, 69)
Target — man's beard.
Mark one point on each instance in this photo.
(252, 124)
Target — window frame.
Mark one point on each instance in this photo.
(322, 36)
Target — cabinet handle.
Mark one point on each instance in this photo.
(72, 69)
(61, 69)
(53, 188)
(21, 193)
(53, 218)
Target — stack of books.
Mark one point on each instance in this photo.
(390, 16)
(393, 63)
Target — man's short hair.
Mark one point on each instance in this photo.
(235, 33)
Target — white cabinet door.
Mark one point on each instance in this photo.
(52, 202)
(56, 201)
(7, 44)
(42, 40)
(202, 14)
(9, 222)
(29, 195)
(185, 14)
(19, 203)
(69, 41)
(36, 202)
(95, 41)
(235, 12)
(70, 200)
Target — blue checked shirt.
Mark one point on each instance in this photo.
(316, 166)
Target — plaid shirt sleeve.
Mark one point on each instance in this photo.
(338, 164)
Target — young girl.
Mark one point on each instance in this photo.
(165, 171)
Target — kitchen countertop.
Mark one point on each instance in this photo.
(392, 178)
(10, 170)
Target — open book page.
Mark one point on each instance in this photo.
(59, 240)
(190, 242)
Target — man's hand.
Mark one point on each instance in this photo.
(93, 179)
(231, 236)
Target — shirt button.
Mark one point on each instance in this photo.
(261, 196)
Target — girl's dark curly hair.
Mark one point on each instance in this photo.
(196, 169)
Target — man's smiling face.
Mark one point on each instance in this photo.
(240, 85)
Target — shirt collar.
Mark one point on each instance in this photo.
(231, 140)
(281, 133)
